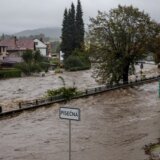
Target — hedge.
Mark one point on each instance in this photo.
(9, 73)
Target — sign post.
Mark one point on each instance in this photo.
(69, 114)
(159, 89)
(70, 140)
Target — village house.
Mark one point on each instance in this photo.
(11, 49)
(41, 46)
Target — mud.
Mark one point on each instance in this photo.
(114, 126)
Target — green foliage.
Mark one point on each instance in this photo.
(65, 35)
(37, 57)
(118, 39)
(66, 93)
(27, 56)
(58, 70)
(77, 61)
(34, 62)
(72, 30)
(79, 27)
(156, 49)
(55, 61)
(10, 73)
(28, 68)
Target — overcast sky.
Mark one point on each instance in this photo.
(18, 15)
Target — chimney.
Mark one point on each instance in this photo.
(15, 42)
(41, 39)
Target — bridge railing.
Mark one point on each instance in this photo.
(90, 91)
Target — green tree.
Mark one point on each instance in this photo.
(65, 35)
(156, 49)
(68, 32)
(118, 39)
(79, 27)
(37, 57)
(27, 56)
(72, 30)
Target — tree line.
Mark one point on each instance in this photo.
(72, 30)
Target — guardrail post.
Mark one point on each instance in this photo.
(0, 109)
(159, 89)
(36, 102)
(86, 91)
(20, 105)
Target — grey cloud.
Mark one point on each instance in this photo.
(17, 15)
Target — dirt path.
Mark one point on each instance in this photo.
(114, 126)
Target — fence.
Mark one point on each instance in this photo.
(92, 91)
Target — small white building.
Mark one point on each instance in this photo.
(42, 47)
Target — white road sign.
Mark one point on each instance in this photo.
(69, 113)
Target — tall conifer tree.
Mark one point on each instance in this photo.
(71, 23)
(72, 30)
(65, 34)
(79, 27)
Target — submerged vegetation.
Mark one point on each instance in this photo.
(65, 92)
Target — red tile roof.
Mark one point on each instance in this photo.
(22, 44)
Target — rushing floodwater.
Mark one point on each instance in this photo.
(12, 91)
(114, 126)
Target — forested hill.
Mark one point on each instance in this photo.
(53, 33)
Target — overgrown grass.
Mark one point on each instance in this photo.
(9, 73)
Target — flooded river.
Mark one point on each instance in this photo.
(114, 126)
(13, 91)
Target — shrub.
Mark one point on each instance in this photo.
(27, 56)
(66, 93)
(58, 70)
(44, 66)
(77, 61)
(55, 61)
(10, 73)
(34, 62)
(24, 67)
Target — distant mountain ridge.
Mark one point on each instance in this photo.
(53, 33)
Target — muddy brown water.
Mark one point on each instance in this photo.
(114, 126)
(13, 91)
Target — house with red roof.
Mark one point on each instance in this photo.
(3, 52)
(12, 49)
(14, 45)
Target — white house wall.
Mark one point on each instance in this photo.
(43, 51)
(41, 47)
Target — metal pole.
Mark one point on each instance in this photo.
(69, 139)
(159, 89)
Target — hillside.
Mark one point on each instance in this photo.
(53, 33)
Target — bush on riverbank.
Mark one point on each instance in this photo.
(34, 62)
(66, 93)
(77, 61)
(9, 73)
